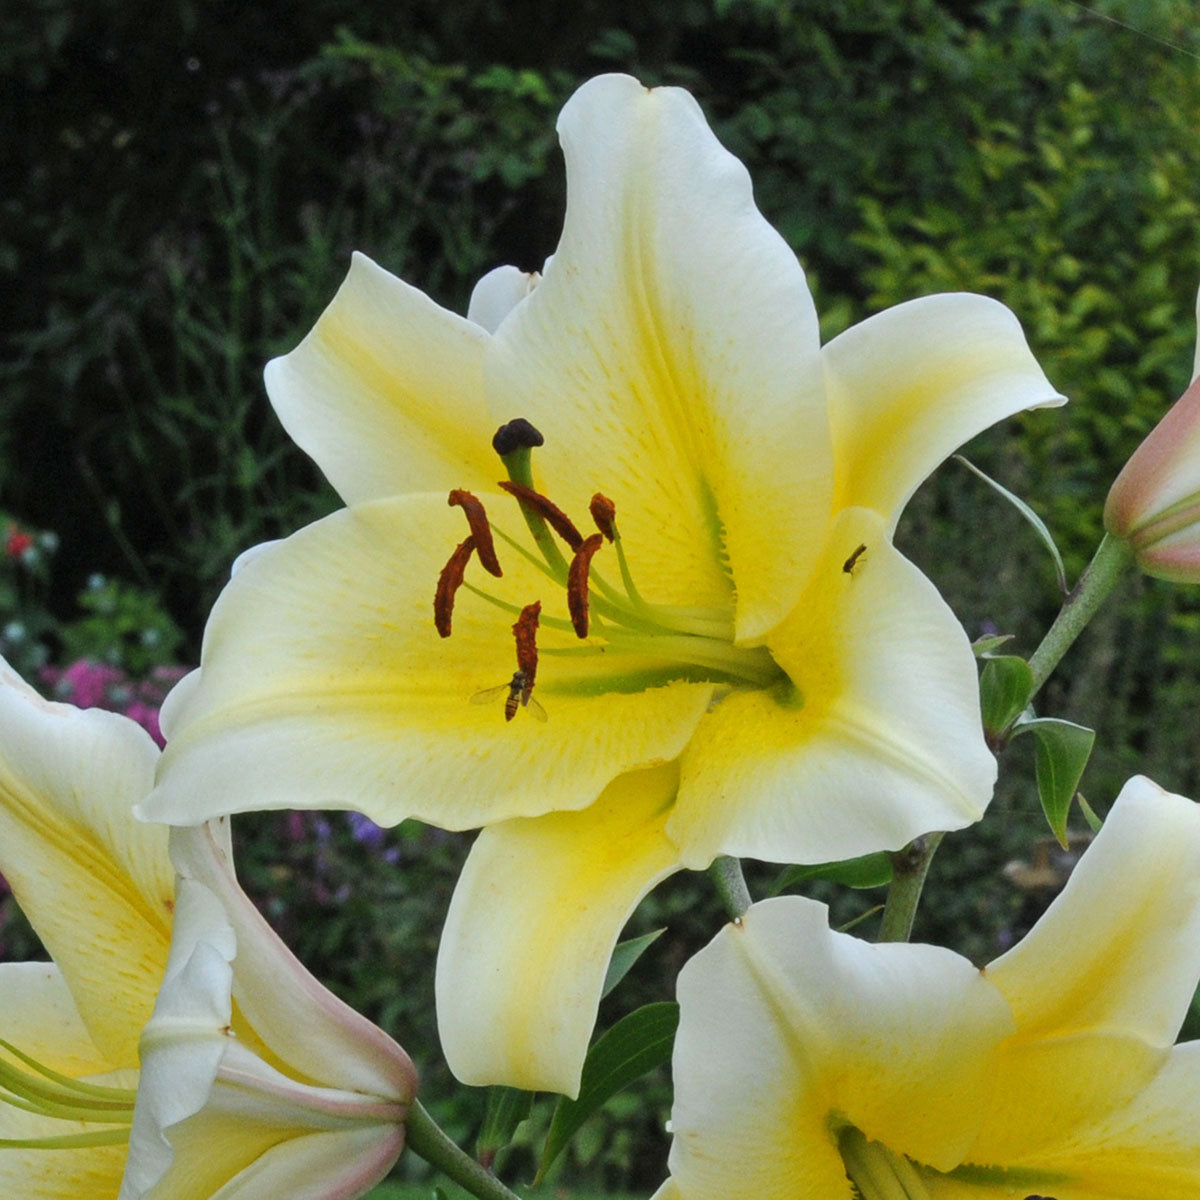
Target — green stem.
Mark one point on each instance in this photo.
(425, 1137)
(1109, 562)
(909, 868)
(726, 873)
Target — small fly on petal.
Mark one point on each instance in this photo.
(850, 563)
(517, 694)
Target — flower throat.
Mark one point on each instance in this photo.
(697, 640)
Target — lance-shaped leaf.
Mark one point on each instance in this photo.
(1061, 755)
(636, 1044)
(1039, 526)
(871, 870)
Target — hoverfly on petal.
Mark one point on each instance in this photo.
(519, 695)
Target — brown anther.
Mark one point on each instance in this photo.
(604, 513)
(525, 631)
(448, 583)
(548, 510)
(577, 583)
(481, 531)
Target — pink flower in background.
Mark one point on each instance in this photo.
(88, 683)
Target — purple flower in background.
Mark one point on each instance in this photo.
(365, 830)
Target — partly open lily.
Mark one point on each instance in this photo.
(286, 1083)
(811, 1064)
(256, 1081)
(735, 660)
(1154, 504)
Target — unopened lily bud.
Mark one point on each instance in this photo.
(1154, 505)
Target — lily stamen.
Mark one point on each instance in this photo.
(481, 531)
(604, 513)
(448, 583)
(698, 641)
(547, 510)
(35, 1088)
(525, 631)
(577, 583)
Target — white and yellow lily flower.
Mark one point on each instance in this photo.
(737, 661)
(811, 1064)
(284, 1083)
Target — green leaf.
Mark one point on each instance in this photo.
(1004, 691)
(1089, 815)
(871, 870)
(507, 1107)
(624, 955)
(634, 1045)
(984, 646)
(1063, 749)
(1038, 524)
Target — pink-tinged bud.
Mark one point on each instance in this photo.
(255, 1080)
(1154, 505)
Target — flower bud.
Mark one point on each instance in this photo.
(1154, 505)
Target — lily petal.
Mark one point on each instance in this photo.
(670, 357)
(909, 385)
(883, 741)
(1148, 1150)
(67, 1174)
(498, 293)
(782, 1026)
(68, 782)
(532, 926)
(40, 1018)
(1100, 986)
(386, 392)
(324, 684)
(1129, 917)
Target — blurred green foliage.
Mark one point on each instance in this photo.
(187, 183)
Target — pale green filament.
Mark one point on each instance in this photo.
(49, 1094)
(694, 637)
(877, 1172)
(881, 1174)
